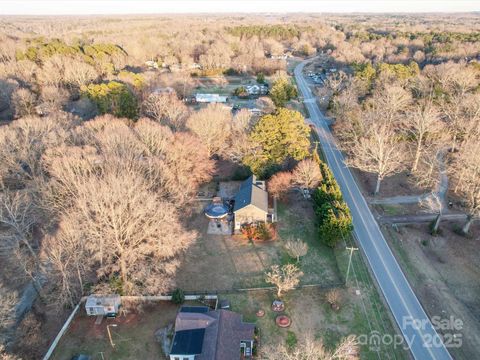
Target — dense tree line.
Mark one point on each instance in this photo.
(393, 118)
(278, 32)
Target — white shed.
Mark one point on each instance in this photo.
(107, 305)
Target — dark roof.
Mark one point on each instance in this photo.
(194, 309)
(223, 332)
(231, 331)
(188, 342)
(251, 194)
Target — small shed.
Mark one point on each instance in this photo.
(106, 305)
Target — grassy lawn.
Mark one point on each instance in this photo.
(310, 314)
(370, 312)
(296, 221)
(217, 262)
(391, 209)
(224, 85)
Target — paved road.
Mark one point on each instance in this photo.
(424, 341)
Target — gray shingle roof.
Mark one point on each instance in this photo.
(219, 331)
(251, 193)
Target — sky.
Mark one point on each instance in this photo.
(90, 7)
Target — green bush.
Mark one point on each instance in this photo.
(261, 78)
(291, 340)
(240, 91)
(178, 296)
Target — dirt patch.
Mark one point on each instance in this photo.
(444, 272)
(395, 185)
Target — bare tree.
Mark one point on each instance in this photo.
(280, 183)
(390, 101)
(311, 349)
(240, 142)
(167, 109)
(333, 298)
(266, 104)
(24, 142)
(17, 217)
(124, 235)
(307, 174)
(465, 172)
(189, 165)
(52, 99)
(78, 73)
(378, 151)
(6, 356)
(296, 248)
(23, 101)
(453, 111)
(69, 262)
(285, 278)
(213, 126)
(424, 126)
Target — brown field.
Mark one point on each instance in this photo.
(444, 273)
(442, 269)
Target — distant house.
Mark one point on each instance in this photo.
(106, 305)
(201, 334)
(257, 89)
(163, 90)
(279, 57)
(210, 98)
(151, 64)
(251, 203)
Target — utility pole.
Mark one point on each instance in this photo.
(351, 249)
(110, 335)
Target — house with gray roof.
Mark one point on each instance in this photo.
(251, 203)
(201, 334)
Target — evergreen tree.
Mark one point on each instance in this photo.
(280, 136)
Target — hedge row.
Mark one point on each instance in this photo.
(333, 216)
